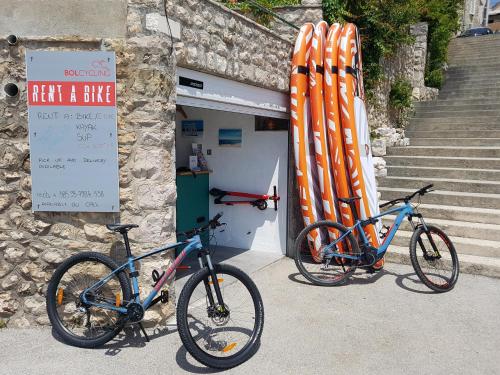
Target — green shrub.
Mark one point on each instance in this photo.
(434, 78)
(443, 17)
(383, 25)
(3, 324)
(400, 96)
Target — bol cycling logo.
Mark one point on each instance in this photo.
(99, 68)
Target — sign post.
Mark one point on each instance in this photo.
(72, 131)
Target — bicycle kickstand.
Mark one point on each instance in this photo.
(143, 331)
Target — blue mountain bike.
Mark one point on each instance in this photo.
(220, 315)
(432, 254)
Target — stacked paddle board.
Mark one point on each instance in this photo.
(330, 130)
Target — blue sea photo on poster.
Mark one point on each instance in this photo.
(230, 137)
(192, 128)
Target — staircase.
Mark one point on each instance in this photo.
(455, 144)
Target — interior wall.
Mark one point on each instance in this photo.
(255, 167)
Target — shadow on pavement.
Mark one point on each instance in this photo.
(409, 281)
(132, 337)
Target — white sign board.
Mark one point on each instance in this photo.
(72, 131)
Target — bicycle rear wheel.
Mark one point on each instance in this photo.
(76, 323)
(220, 336)
(434, 258)
(326, 269)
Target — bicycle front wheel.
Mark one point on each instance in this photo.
(434, 258)
(220, 336)
(326, 267)
(82, 325)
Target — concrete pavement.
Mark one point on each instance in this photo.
(387, 323)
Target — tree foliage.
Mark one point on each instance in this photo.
(384, 25)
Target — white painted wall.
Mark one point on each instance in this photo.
(255, 167)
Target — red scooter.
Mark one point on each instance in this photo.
(259, 201)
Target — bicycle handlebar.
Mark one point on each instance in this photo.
(213, 223)
(421, 192)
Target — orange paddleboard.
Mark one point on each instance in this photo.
(316, 71)
(303, 140)
(356, 131)
(335, 139)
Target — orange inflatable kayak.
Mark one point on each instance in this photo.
(335, 139)
(316, 73)
(356, 131)
(303, 140)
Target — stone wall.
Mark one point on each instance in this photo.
(33, 244)
(217, 40)
(387, 125)
(308, 11)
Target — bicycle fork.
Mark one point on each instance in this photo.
(435, 254)
(218, 307)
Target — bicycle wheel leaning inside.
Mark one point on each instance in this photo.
(434, 258)
(325, 269)
(78, 324)
(220, 336)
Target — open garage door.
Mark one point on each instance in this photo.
(196, 89)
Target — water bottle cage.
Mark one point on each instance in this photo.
(383, 234)
(156, 277)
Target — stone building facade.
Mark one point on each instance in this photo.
(475, 13)
(200, 35)
(205, 36)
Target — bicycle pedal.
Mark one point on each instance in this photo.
(164, 296)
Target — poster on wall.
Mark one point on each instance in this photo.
(72, 131)
(230, 137)
(192, 128)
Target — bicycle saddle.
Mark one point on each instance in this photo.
(121, 227)
(348, 200)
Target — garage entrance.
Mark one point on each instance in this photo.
(242, 132)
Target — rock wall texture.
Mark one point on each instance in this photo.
(308, 11)
(33, 244)
(387, 125)
(217, 40)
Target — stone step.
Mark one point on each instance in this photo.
(443, 172)
(474, 93)
(469, 246)
(464, 95)
(457, 103)
(479, 231)
(459, 142)
(452, 114)
(448, 198)
(481, 69)
(458, 85)
(445, 162)
(444, 184)
(472, 264)
(431, 126)
(476, 61)
(476, 121)
(451, 77)
(459, 71)
(463, 152)
(439, 106)
(472, 60)
(457, 213)
(448, 134)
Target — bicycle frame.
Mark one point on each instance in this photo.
(403, 212)
(192, 244)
